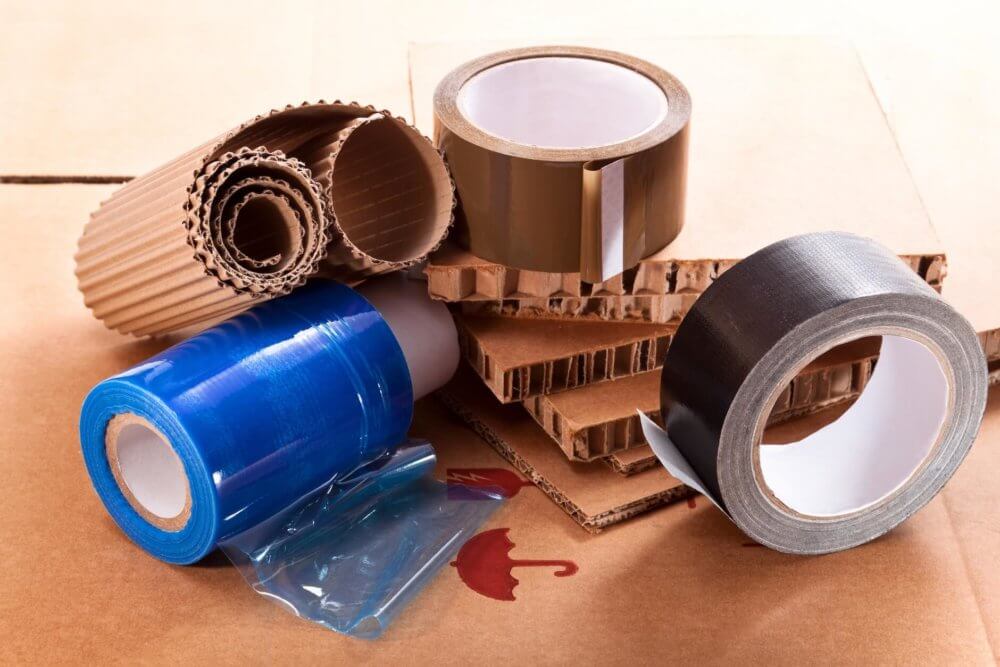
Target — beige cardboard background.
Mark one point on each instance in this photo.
(675, 584)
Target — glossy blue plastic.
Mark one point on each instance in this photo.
(303, 397)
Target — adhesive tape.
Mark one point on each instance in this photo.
(565, 159)
(883, 459)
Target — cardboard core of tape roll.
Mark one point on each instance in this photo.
(390, 192)
(148, 472)
(870, 451)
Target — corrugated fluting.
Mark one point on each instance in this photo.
(242, 219)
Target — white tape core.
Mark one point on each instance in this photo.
(152, 471)
(874, 447)
(562, 102)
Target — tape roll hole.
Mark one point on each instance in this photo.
(562, 102)
(390, 191)
(873, 448)
(152, 471)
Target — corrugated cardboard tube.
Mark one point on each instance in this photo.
(338, 190)
(884, 458)
(566, 159)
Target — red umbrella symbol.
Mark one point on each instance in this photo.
(485, 565)
(460, 480)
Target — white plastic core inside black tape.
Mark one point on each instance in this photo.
(562, 102)
(873, 448)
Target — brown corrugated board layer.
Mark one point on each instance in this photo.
(518, 359)
(657, 290)
(166, 251)
(598, 420)
(626, 308)
(934, 598)
(380, 197)
(593, 495)
(631, 461)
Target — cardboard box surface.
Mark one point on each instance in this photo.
(665, 585)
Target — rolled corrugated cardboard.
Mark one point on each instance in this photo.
(566, 159)
(329, 189)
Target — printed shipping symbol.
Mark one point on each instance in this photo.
(485, 565)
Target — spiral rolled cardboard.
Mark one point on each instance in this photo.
(306, 190)
(884, 458)
(577, 195)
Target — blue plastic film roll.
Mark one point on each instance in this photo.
(235, 433)
(259, 411)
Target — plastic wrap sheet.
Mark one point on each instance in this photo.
(277, 433)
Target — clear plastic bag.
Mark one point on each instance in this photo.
(351, 554)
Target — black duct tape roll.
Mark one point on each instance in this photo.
(886, 457)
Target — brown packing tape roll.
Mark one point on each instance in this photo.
(242, 218)
(566, 159)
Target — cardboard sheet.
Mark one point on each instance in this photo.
(592, 495)
(225, 225)
(944, 113)
(518, 359)
(657, 290)
(631, 461)
(595, 421)
(927, 592)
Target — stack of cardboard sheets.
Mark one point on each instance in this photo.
(557, 368)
